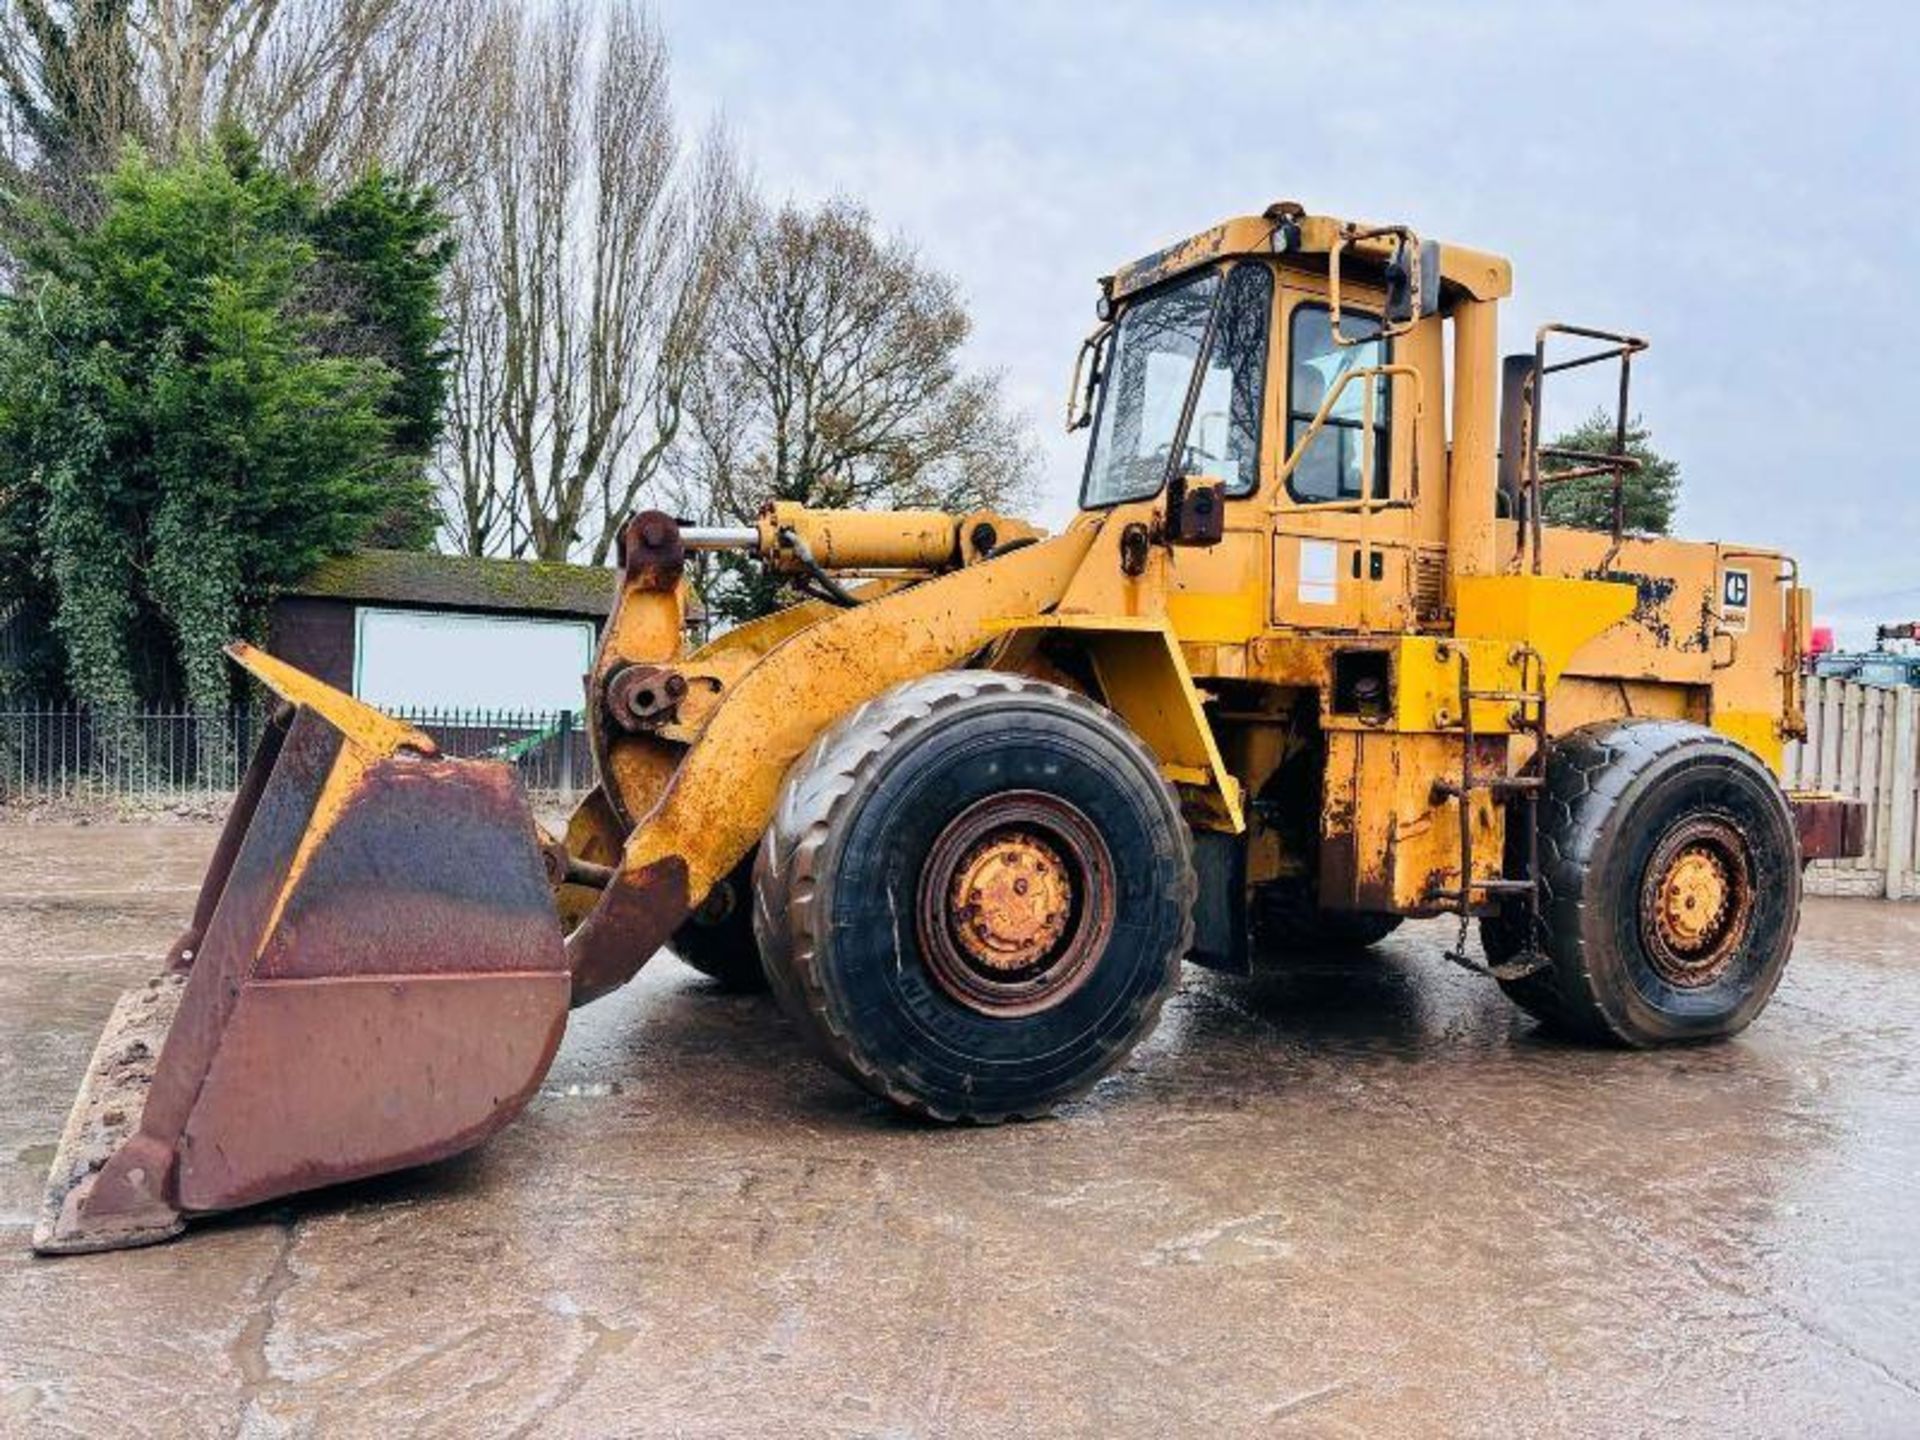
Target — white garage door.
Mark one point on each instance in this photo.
(414, 660)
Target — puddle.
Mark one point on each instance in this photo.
(575, 1092)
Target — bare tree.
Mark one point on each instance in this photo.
(474, 490)
(592, 251)
(334, 86)
(837, 379)
(615, 316)
(326, 86)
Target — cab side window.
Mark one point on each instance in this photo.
(1330, 469)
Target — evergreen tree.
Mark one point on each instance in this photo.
(1649, 494)
(203, 392)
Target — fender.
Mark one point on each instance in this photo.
(1143, 678)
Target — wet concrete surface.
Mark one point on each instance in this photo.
(1361, 1197)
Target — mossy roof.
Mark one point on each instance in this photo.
(462, 582)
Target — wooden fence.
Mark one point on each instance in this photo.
(1861, 741)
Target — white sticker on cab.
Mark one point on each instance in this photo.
(1319, 572)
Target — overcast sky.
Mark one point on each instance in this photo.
(1737, 182)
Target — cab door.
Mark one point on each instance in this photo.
(1218, 593)
(1342, 506)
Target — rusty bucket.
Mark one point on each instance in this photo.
(374, 978)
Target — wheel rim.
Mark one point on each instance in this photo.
(1696, 901)
(1015, 903)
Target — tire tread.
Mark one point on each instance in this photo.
(788, 916)
(1590, 773)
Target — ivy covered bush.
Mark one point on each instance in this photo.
(216, 382)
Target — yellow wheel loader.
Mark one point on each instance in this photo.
(1309, 660)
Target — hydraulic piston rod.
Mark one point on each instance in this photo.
(720, 537)
(794, 539)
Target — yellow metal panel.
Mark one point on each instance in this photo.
(1427, 683)
(1472, 462)
(1143, 675)
(1667, 634)
(1758, 730)
(1555, 615)
(1216, 593)
(1309, 596)
(1581, 700)
(1756, 646)
(1386, 842)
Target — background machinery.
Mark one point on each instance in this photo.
(1893, 661)
(1307, 661)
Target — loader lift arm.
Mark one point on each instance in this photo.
(720, 791)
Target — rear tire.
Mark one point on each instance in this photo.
(1672, 886)
(717, 939)
(975, 895)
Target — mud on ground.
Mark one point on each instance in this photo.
(1355, 1198)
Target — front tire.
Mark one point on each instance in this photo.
(1672, 886)
(975, 895)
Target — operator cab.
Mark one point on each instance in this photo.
(1283, 378)
(1177, 386)
(1150, 368)
(1280, 376)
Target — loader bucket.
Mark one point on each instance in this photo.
(374, 978)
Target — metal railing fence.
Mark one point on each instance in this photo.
(1864, 740)
(157, 756)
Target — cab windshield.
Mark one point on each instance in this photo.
(1150, 373)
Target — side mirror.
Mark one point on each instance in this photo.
(1089, 368)
(1413, 281)
(1410, 273)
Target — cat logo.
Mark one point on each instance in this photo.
(1736, 588)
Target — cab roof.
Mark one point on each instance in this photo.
(1473, 273)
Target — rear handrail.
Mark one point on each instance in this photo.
(1617, 463)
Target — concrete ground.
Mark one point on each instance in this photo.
(1358, 1198)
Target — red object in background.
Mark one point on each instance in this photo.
(1821, 642)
